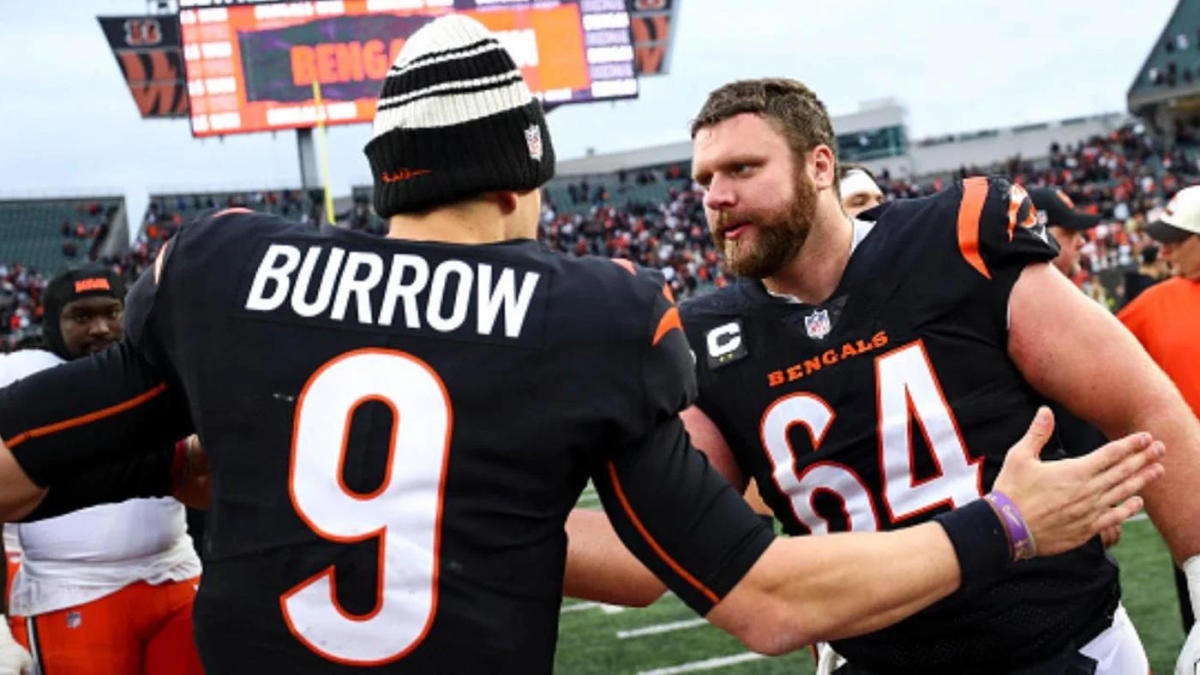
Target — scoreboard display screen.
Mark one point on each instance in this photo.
(251, 65)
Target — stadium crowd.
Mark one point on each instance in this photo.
(1125, 177)
(85, 233)
(670, 235)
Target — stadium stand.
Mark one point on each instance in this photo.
(49, 234)
(1166, 91)
(577, 193)
(361, 216)
(293, 203)
(1124, 176)
(652, 214)
(38, 239)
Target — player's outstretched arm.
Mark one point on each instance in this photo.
(599, 567)
(780, 594)
(94, 430)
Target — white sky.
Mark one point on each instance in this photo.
(69, 126)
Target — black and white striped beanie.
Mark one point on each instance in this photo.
(455, 119)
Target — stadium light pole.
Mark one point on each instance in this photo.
(323, 153)
(310, 178)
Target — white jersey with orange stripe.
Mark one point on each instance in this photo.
(88, 554)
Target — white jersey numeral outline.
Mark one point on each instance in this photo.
(908, 392)
(404, 512)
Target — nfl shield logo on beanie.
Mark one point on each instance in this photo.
(533, 139)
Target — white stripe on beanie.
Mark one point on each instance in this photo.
(450, 109)
(449, 44)
(444, 56)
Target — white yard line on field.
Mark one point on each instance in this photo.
(706, 664)
(657, 628)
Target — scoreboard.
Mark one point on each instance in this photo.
(251, 65)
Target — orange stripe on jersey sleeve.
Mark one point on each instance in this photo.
(1014, 207)
(232, 209)
(1017, 198)
(969, 212)
(650, 541)
(84, 419)
(158, 259)
(670, 321)
(668, 294)
(627, 265)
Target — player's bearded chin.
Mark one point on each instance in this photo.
(778, 235)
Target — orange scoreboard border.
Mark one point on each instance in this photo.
(558, 30)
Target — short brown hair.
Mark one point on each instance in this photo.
(786, 103)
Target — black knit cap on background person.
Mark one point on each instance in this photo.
(455, 118)
(1056, 209)
(92, 280)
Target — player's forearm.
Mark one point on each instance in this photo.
(1149, 401)
(1113, 384)
(600, 568)
(1172, 502)
(807, 589)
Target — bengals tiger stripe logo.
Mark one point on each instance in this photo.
(1021, 212)
(145, 32)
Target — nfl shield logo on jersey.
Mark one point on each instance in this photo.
(533, 139)
(817, 324)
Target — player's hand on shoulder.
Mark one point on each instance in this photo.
(1065, 503)
(14, 659)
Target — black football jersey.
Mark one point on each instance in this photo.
(896, 400)
(396, 433)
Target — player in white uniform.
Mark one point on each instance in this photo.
(107, 590)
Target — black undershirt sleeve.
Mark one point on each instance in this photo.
(151, 474)
(99, 413)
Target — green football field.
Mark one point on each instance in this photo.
(668, 638)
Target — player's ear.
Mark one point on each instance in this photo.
(505, 199)
(822, 165)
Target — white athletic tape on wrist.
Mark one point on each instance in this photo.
(1191, 570)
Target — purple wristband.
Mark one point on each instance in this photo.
(1020, 539)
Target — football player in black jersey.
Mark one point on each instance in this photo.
(862, 371)
(398, 427)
